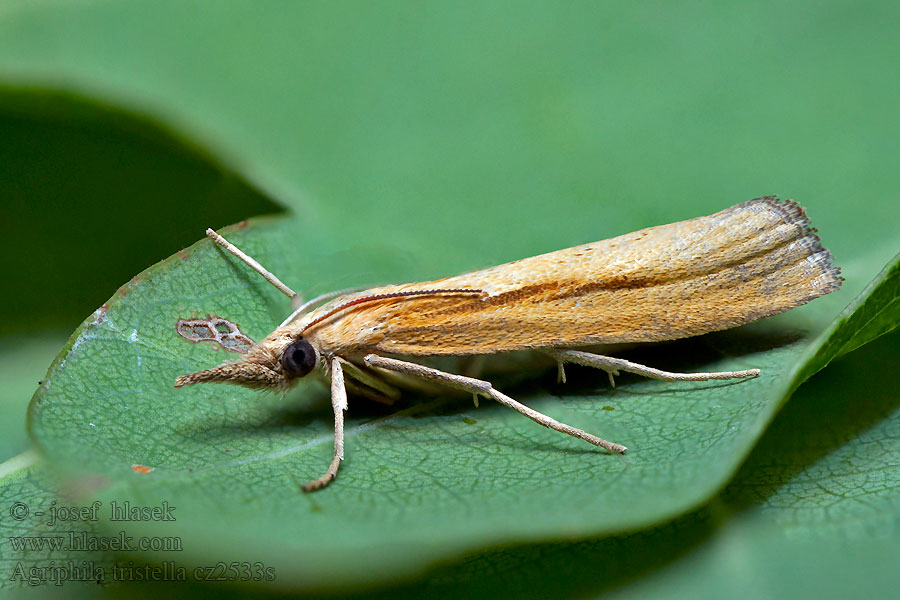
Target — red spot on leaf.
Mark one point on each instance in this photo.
(141, 469)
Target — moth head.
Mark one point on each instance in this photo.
(277, 362)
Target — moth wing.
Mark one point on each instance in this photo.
(752, 260)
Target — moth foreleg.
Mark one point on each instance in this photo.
(366, 384)
(613, 365)
(339, 403)
(484, 388)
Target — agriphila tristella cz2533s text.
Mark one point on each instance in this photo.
(750, 261)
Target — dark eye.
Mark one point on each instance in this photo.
(299, 358)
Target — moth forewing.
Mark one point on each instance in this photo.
(752, 260)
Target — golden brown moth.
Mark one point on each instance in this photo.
(750, 261)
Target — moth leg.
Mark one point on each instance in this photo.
(484, 388)
(472, 366)
(613, 365)
(296, 301)
(339, 402)
(560, 371)
(357, 389)
(366, 384)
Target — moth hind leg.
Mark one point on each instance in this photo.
(484, 388)
(612, 366)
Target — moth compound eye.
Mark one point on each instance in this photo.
(298, 359)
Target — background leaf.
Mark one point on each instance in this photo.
(813, 512)
(23, 363)
(36, 546)
(448, 125)
(90, 195)
(871, 315)
(430, 481)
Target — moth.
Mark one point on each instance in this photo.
(750, 261)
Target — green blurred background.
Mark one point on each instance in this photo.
(126, 129)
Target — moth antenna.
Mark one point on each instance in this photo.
(309, 303)
(267, 275)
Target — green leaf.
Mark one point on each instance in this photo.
(23, 362)
(871, 315)
(134, 191)
(813, 513)
(551, 123)
(425, 480)
(35, 548)
(800, 517)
